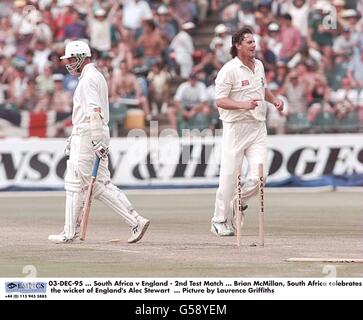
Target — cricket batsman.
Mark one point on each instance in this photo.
(90, 138)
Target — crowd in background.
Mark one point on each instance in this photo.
(312, 51)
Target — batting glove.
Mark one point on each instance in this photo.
(101, 149)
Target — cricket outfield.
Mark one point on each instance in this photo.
(179, 243)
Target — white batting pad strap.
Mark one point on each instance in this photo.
(96, 125)
(116, 200)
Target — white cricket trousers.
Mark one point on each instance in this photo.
(79, 167)
(240, 139)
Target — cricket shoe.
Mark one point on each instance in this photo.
(234, 205)
(222, 229)
(61, 238)
(138, 232)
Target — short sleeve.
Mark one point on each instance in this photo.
(179, 93)
(223, 83)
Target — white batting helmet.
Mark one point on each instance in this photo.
(76, 49)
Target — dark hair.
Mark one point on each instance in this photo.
(238, 37)
(150, 23)
(287, 16)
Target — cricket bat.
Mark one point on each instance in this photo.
(88, 200)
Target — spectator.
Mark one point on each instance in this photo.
(350, 18)
(266, 56)
(158, 79)
(29, 98)
(41, 53)
(7, 37)
(45, 82)
(44, 102)
(105, 66)
(41, 30)
(31, 69)
(299, 12)
(6, 75)
(100, 27)
(305, 55)
(246, 16)
(56, 63)
(63, 18)
(355, 69)
(49, 19)
(344, 100)
(203, 6)
(18, 82)
(320, 96)
(190, 99)
(207, 66)
(134, 12)
(182, 11)
(62, 100)
(320, 35)
(344, 44)
(290, 39)
(306, 72)
(276, 120)
(295, 91)
(183, 48)
(76, 29)
(150, 43)
(221, 54)
(125, 85)
(20, 22)
(167, 29)
(264, 14)
(281, 72)
(123, 53)
(230, 15)
(273, 38)
(221, 34)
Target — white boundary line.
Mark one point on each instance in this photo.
(35, 194)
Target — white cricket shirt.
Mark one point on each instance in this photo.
(237, 82)
(91, 92)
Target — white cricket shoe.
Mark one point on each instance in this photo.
(138, 232)
(234, 205)
(61, 238)
(222, 229)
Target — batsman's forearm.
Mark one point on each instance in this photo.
(228, 104)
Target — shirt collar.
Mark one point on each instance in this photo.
(240, 64)
(85, 68)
